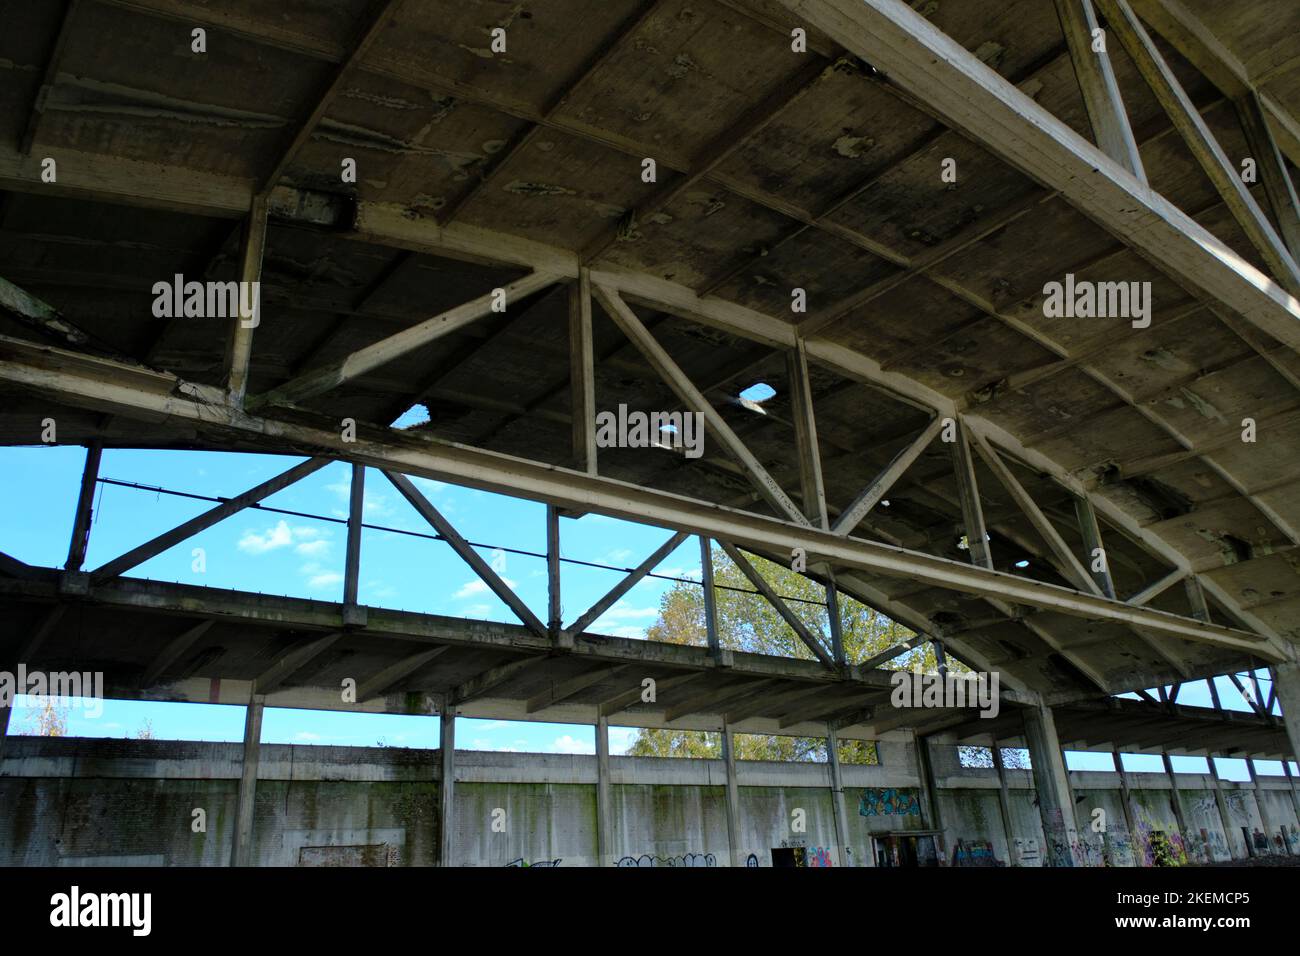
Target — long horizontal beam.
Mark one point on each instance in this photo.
(130, 391)
(975, 100)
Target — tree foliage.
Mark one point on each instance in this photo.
(747, 622)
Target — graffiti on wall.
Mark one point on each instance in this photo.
(817, 856)
(524, 864)
(1026, 852)
(684, 860)
(888, 800)
(974, 853)
(751, 861)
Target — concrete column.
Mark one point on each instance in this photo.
(1286, 769)
(1174, 798)
(930, 795)
(1004, 803)
(1224, 817)
(837, 797)
(1286, 684)
(241, 849)
(447, 787)
(1265, 817)
(1126, 803)
(733, 795)
(604, 836)
(1052, 782)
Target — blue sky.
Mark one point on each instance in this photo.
(289, 554)
(258, 550)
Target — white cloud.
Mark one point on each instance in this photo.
(567, 745)
(618, 554)
(278, 537)
(324, 580)
(306, 735)
(477, 610)
(476, 587)
(311, 541)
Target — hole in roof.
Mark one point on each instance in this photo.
(758, 392)
(1022, 564)
(415, 415)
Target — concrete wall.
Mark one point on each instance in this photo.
(68, 801)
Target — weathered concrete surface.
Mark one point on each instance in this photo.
(80, 801)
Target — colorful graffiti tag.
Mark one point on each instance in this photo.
(883, 802)
(686, 859)
(817, 856)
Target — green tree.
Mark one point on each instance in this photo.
(747, 622)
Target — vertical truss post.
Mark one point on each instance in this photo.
(811, 488)
(604, 833)
(968, 491)
(710, 596)
(582, 375)
(1100, 89)
(733, 794)
(85, 505)
(553, 605)
(836, 625)
(241, 849)
(447, 784)
(837, 796)
(352, 565)
(1093, 545)
(239, 347)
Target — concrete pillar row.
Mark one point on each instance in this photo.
(1052, 782)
